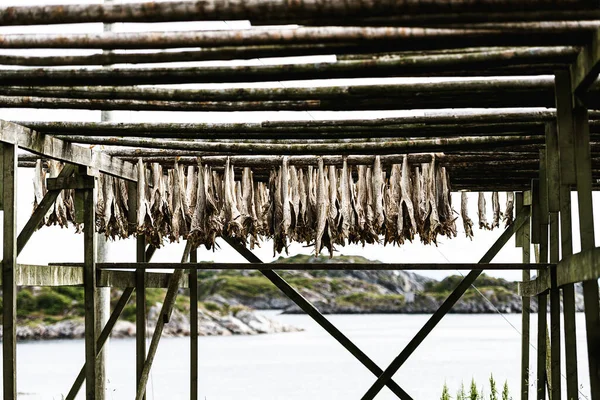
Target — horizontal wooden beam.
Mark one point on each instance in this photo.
(583, 266)
(51, 147)
(72, 275)
(534, 287)
(280, 11)
(319, 266)
(527, 61)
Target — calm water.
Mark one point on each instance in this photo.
(304, 365)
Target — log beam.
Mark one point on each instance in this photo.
(585, 69)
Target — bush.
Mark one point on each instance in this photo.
(26, 303)
(128, 313)
(52, 303)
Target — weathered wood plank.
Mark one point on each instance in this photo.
(51, 147)
(9, 266)
(526, 304)
(125, 279)
(555, 339)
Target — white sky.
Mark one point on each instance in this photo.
(63, 245)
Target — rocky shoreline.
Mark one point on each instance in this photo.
(242, 322)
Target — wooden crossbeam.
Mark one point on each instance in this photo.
(51, 147)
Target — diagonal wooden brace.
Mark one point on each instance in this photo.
(312, 311)
(101, 340)
(462, 287)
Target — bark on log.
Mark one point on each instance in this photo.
(321, 148)
(524, 61)
(408, 38)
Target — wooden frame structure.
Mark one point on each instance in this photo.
(546, 52)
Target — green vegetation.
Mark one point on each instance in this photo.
(371, 299)
(475, 394)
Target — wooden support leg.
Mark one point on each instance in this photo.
(312, 311)
(163, 318)
(586, 227)
(522, 218)
(140, 310)
(564, 116)
(193, 282)
(104, 335)
(9, 265)
(89, 283)
(523, 232)
(555, 344)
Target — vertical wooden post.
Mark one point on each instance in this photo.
(553, 186)
(140, 282)
(542, 298)
(9, 265)
(523, 242)
(193, 282)
(564, 112)
(586, 228)
(89, 283)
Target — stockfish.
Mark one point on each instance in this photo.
(248, 208)
(58, 216)
(333, 204)
(407, 225)
(344, 223)
(233, 225)
(445, 211)
(145, 224)
(323, 232)
(431, 222)
(214, 215)
(377, 189)
(391, 201)
(198, 230)
(510, 204)
(159, 208)
(39, 189)
(483, 224)
(497, 215)
(467, 222)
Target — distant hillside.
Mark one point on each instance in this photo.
(356, 291)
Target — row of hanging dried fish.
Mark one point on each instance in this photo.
(324, 206)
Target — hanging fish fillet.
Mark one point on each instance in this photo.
(304, 231)
(343, 226)
(391, 201)
(496, 210)
(445, 211)
(39, 188)
(160, 209)
(483, 224)
(332, 203)
(377, 188)
(323, 233)
(144, 214)
(282, 217)
(431, 223)
(198, 231)
(214, 215)
(248, 209)
(510, 205)
(407, 225)
(467, 222)
(191, 191)
(294, 196)
(58, 216)
(233, 225)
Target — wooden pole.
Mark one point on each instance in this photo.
(274, 11)
(494, 63)
(542, 298)
(523, 233)
(9, 265)
(586, 227)
(89, 275)
(193, 282)
(564, 114)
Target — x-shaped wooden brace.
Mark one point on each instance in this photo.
(467, 281)
(312, 311)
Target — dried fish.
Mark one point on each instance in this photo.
(467, 222)
(39, 188)
(483, 224)
(392, 199)
(431, 223)
(233, 225)
(377, 189)
(333, 203)
(407, 225)
(323, 233)
(58, 216)
(198, 231)
(145, 222)
(497, 215)
(159, 208)
(344, 223)
(510, 205)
